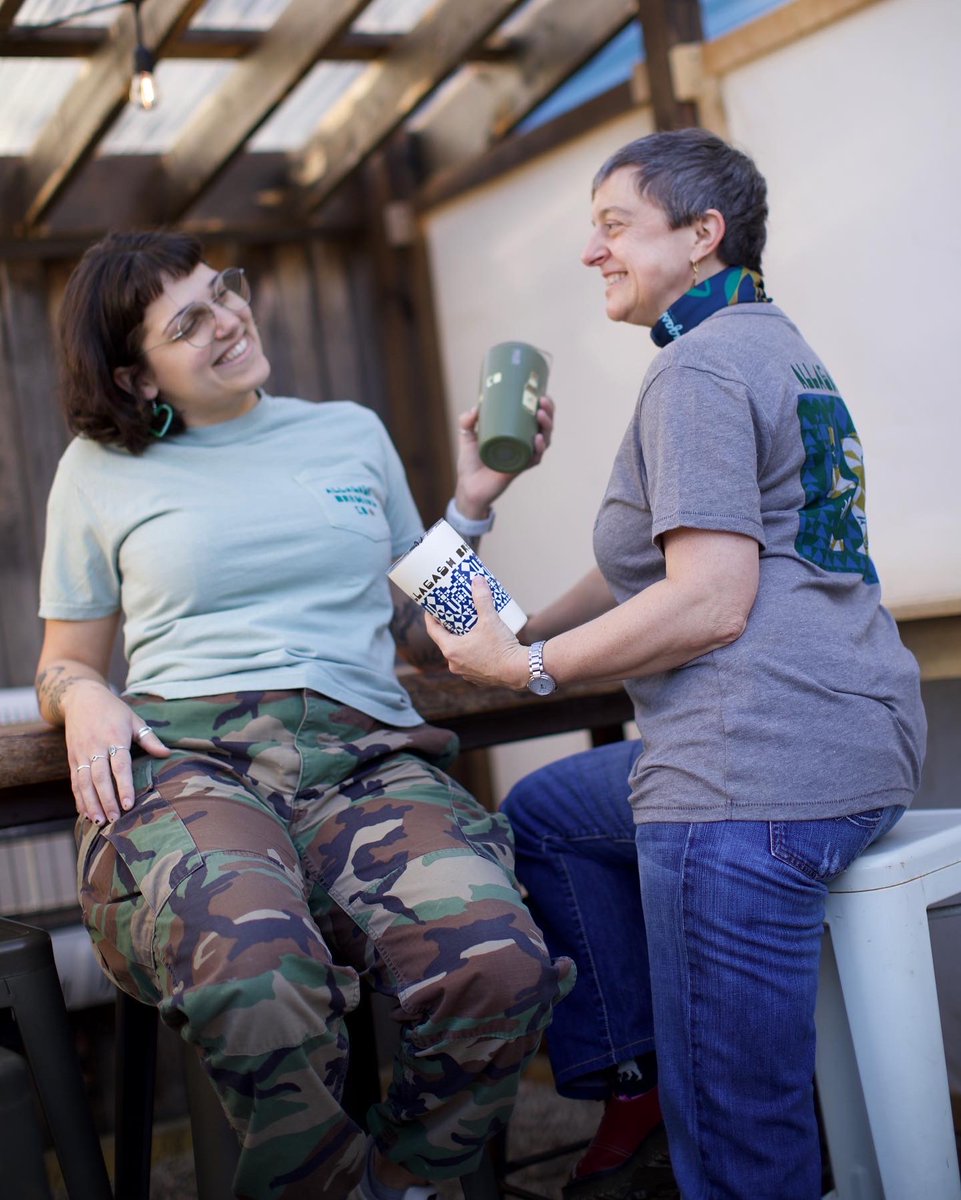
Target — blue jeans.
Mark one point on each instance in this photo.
(575, 855)
(718, 963)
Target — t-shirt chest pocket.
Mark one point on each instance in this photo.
(349, 503)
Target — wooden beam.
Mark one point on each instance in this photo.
(483, 105)
(524, 148)
(775, 30)
(90, 106)
(242, 202)
(925, 610)
(35, 753)
(936, 643)
(8, 10)
(251, 92)
(666, 23)
(657, 46)
(385, 94)
(29, 41)
(696, 87)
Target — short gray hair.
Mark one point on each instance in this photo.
(687, 171)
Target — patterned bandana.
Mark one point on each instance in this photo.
(733, 285)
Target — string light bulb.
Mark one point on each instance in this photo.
(143, 87)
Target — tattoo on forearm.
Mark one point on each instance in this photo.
(410, 635)
(406, 616)
(51, 684)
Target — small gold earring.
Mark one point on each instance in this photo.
(694, 269)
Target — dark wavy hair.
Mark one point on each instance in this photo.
(687, 171)
(101, 329)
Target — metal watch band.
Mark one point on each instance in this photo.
(535, 658)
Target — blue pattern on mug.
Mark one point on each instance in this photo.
(453, 604)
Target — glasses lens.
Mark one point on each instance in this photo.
(233, 288)
(197, 325)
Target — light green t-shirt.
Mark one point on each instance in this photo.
(249, 555)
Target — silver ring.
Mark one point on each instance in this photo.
(112, 750)
(142, 730)
(83, 767)
(94, 757)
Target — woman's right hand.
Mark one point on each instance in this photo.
(100, 728)
(101, 732)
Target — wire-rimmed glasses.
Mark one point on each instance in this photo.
(197, 323)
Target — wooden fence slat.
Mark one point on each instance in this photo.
(32, 440)
(338, 333)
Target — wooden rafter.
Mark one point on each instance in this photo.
(90, 106)
(555, 37)
(666, 23)
(8, 10)
(251, 92)
(774, 30)
(523, 148)
(386, 93)
(27, 41)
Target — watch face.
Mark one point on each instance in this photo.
(542, 685)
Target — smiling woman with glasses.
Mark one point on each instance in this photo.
(263, 816)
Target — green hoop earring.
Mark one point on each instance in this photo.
(165, 414)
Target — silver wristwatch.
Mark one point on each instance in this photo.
(540, 683)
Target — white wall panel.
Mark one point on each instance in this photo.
(853, 129)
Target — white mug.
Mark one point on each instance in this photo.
(437, 572)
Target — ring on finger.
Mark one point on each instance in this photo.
(94, 757)
(142, 730)
(112, 750)
(82, 767)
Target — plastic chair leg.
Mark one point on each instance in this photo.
(882, 946)
(854, 1165)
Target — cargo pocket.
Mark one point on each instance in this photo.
(127, 871)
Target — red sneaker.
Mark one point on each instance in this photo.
(627, 1153)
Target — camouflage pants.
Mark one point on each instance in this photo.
(287, 847)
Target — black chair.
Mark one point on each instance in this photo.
(30, 987)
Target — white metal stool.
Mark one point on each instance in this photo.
(881, 1073)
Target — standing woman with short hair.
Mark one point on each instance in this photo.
(264, 820)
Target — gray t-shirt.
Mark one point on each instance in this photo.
(815, 710)
(247, 555)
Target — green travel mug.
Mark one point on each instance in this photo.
(513, 379)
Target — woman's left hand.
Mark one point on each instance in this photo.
(479, 486)
(489, 654)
